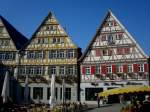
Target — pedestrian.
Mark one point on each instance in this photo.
(98, 101)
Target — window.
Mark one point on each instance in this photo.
(68, 93)
(119, 68)
(70, 54)
(109, 69)
(119, 51)
(56, 92)
(97, 52)
(1, 29)
(30, 55)
(119, 36)
(53, 54)
(130, 68)
(22, 70)
(97, 69)
(39, 70)
(126, 50)
(39, 54)
(141, 67)
(57, 40)
(111, 40)
(61, 54)
(2, 56)
(70, 70)
(105, 52)
(48, 93)
(52, 70)
(30, 70)
(54, 41)
(87, 70)
(109, 52)
(45, 40)
(62, 70)
(61, 93)
(38, 93)
(103, 37)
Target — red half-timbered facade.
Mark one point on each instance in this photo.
(112, 59)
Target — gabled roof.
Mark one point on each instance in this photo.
(18, 39)
(99, 31)
(50, 14)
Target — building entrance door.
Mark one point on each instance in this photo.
(91, 93)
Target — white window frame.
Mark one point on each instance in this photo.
(70, 70)
(70, 54)
(98, 69)
(87, 70)
(109, 69)
(119, 68)
(62, 70)
(141, 67)
(130, 68)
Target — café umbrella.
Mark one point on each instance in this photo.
(124, 90)
(26, 89)
(52, 97)
(5, 90)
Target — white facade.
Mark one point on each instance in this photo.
(112, 59)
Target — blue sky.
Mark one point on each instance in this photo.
(80, 17)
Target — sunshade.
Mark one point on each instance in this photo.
(5, 90)
(123, 90)
(52, 98)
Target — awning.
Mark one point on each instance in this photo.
(123, 90)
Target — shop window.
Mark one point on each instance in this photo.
(68, 93)
(38, 93)
(48, 93)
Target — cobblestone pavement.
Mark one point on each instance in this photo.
(109, 108)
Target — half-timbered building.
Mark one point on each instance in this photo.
(50, 51)
(11, 41)
(112, 59)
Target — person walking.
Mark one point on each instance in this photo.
(98, 101)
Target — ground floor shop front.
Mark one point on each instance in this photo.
(40, 92)
(89, 90)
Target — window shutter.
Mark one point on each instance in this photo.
(92, 70)
(103, 69)
(145, 67)
(83, 70)
(125, 68)
(135, 68)
(113, 68)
